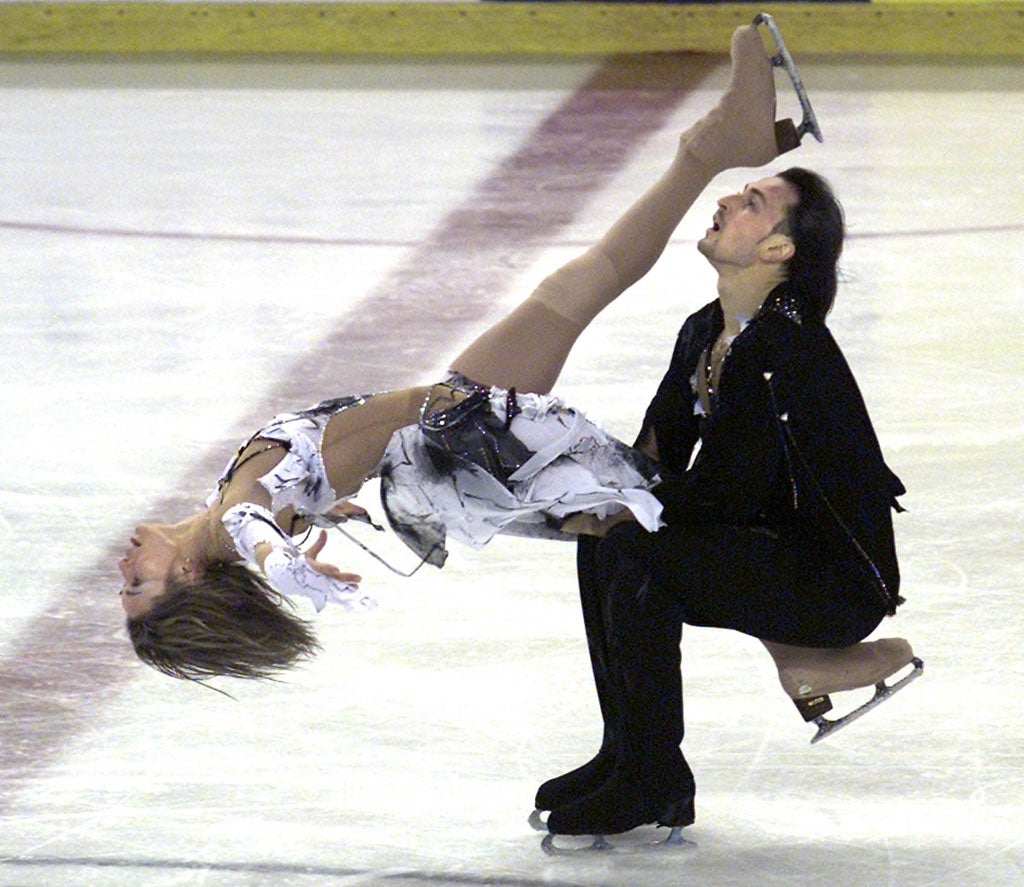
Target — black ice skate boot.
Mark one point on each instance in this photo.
(583, 780)
(660, 792)
(651, 783)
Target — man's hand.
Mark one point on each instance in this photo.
(584, 524)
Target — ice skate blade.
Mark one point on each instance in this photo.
(826, 726)
(536, 823)
(599, 844)
(782, 59)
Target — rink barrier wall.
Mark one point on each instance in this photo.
(895, 27)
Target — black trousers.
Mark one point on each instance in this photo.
(783, 587)
(638, 589)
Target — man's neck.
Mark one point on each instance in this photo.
(741, 300)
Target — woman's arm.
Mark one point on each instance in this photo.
(265, 546)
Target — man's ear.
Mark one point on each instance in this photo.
(776, 249)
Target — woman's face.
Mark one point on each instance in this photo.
(149, 560)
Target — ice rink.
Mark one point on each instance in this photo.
(188, 248)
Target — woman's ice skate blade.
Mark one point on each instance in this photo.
(782, 59)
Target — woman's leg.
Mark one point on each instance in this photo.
(528, 348)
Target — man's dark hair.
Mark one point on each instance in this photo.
(816, 226)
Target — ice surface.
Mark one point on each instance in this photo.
(189, 247)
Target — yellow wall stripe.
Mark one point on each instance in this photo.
(974, 29)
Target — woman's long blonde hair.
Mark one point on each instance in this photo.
(229, 622)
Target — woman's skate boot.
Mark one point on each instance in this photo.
(741, 131)
(810, 674)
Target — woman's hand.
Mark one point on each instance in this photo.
(292, 572)
(324, 568)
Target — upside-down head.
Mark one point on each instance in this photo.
(225, 621)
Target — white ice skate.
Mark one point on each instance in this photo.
(782, 59)
(810, 675)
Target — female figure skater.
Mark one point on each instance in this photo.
(203, 595)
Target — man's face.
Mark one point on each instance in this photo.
(744, 221)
